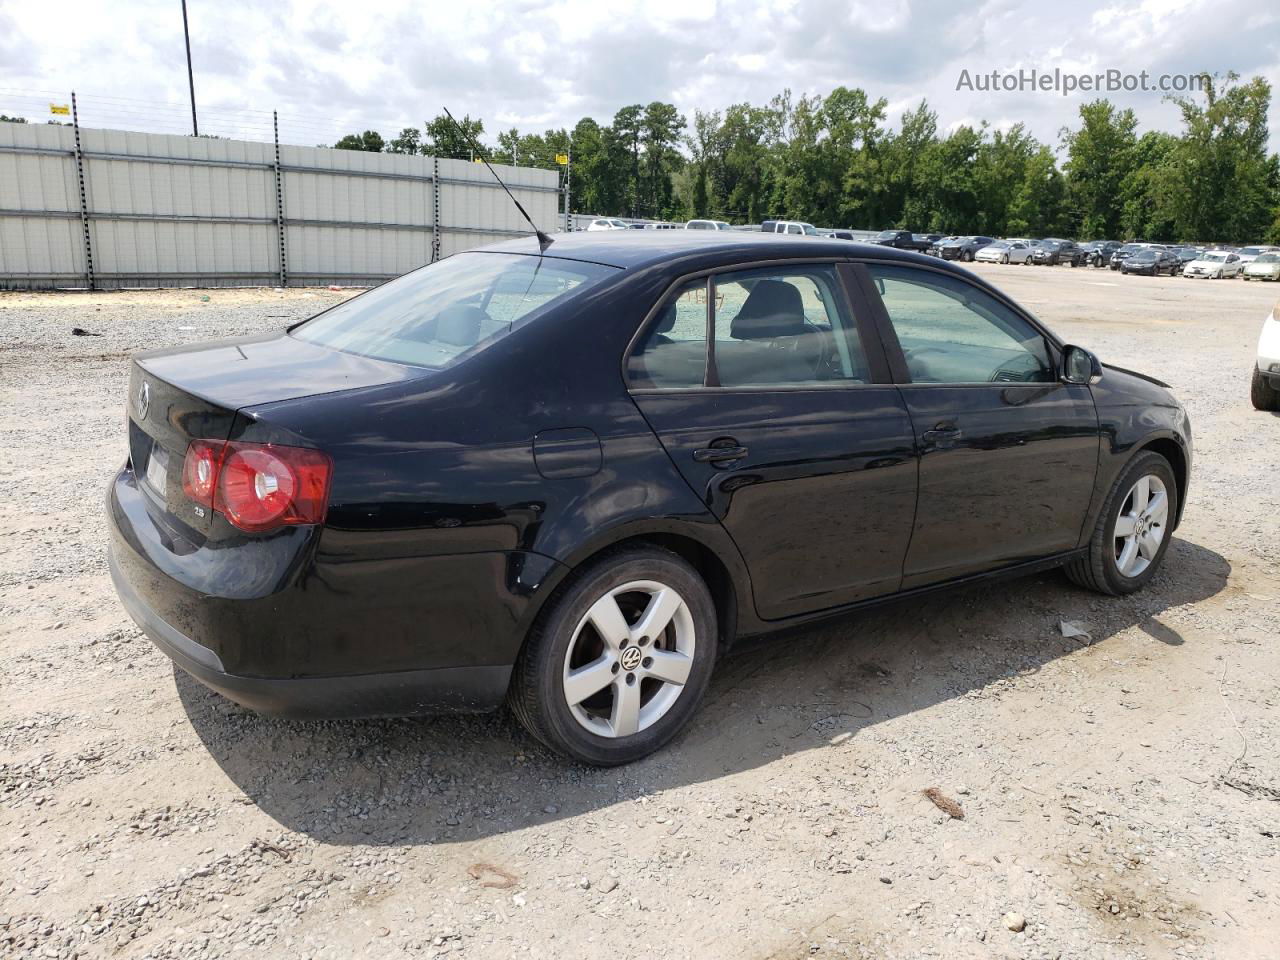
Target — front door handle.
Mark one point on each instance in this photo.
(720, 452)
(944, 434)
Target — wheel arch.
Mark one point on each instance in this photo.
(1173, 452)
(708, 550)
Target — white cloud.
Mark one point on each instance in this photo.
(332, 67)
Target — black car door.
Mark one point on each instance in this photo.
(785, 422)
(1008, 452)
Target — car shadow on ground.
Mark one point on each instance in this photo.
(449, 779)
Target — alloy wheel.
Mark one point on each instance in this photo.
(629, 659)
(1140, 527)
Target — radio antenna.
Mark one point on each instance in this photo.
(544, 241)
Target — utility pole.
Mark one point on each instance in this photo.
(191, 79)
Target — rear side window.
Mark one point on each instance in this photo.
(952, 332)
(777, 326)
(435, 316)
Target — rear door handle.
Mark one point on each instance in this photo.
(720, 452)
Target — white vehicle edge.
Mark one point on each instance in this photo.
(1264, 390)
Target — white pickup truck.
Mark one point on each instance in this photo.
(1264, 391)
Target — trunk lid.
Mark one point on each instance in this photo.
(194, 392)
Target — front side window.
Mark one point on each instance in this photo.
(433, 316)
(953, 332)
(776, 326)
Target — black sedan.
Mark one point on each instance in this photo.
(568, 481)
(1152, 263)
(959, 248)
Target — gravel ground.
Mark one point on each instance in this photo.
(1117, 794)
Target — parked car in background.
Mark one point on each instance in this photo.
(840, 234)
(1264, 390)
(1052, 251)
(1098, 252)
(960, 248)
(1248, 254)
(1265, 266)
(901, 240)
(1186, 254)
(1152, 262)
(794, 228)
(607, 223)
(1121, 255)
(1213, 265)
(525, 475)
(1004, 251)
(706, 225)
(664, 226)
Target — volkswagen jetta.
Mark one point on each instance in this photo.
(568, 479)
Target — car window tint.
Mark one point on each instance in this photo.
(953, 332)
(673, 352)
(784, 326)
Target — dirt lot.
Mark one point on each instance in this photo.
(1121, 794)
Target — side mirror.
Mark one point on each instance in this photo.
(1080, 366)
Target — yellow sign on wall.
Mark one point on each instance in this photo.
(562, 159)
(61, 109)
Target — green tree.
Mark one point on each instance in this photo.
(5, 118)
(370, 141)
(1100, 155)
(1223, 187)
(443, 138)
(409, 141)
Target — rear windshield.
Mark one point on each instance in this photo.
(435, 315)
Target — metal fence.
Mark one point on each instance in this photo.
(102, 209)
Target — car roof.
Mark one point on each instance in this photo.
(704, 249)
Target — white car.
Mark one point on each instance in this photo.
(706, 225)
(1213, 264)
(1265, 267)
(792, 227)
(607, 223)
(1004, 251)
(1264, 391)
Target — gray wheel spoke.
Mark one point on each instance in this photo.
(1125, 524)
(1149, 545)
(671, 667)
(1127, 555)
(587, 680)
(662, 607)
(609, 622)
(1141, 494)
(624, 718)
(1158, 507)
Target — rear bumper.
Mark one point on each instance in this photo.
(317, 622)
(398, 694)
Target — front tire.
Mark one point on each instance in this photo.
(1263, 395)
(1133, 531)
(618, 662)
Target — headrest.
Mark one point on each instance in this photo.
(774, 308)
(666, 319)
(459, 325)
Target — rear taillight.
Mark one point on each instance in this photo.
(258, 486)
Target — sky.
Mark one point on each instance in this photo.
(330, 68)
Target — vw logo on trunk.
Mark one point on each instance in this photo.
(144, 400)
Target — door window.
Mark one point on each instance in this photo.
(774, 326)
(784, 326)
(953, 332)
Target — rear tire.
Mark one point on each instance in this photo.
(632, 712)
(1263, 395)
(1100, 570)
